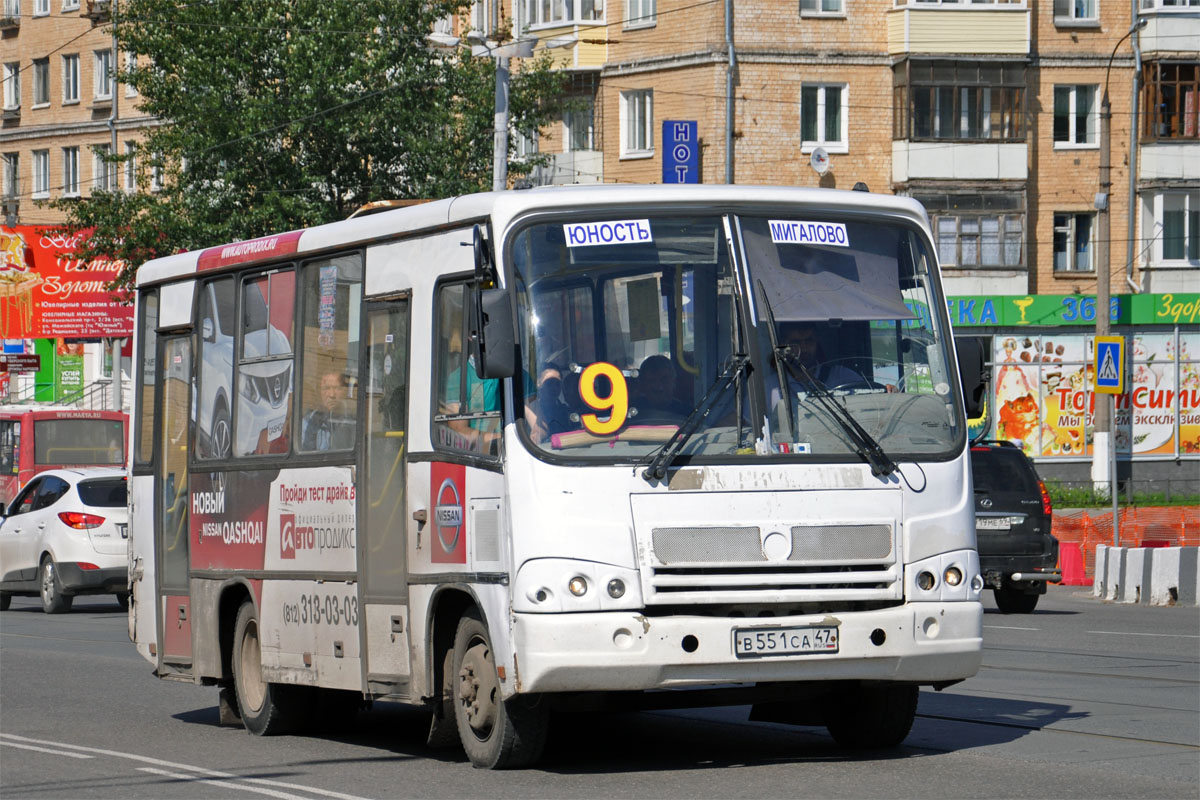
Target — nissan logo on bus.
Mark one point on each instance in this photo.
(448, 515)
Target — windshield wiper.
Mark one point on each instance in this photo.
(864, 444)
(778, 352)
(735, 366)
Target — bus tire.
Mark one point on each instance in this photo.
(53, 599)
(495, 733)
(871, 717)
(5, 601)
(267, 709)
(122, 600)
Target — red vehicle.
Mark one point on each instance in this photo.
(37, 438)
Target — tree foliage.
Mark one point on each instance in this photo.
(281, 114)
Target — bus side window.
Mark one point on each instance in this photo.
(263, 422)
(466, 413)
(332, 297)
(8, 439)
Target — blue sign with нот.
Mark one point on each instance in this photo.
(681, 151)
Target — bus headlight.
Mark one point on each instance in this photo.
(953, 576)
(550, 585)
(578, 586)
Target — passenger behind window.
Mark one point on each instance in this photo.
(479, 435)
(330, 426)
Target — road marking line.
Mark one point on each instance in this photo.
(1009, 628)
(207, 781)
(47, 750)
(1130, 633)
(199, 770)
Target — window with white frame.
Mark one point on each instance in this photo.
(130, 66)
(12, 85)
(557, 12)
(525, 144)
(70, 178)
(640, 13)
(1073, 246)
(579, 126)
(70, 78)
(41, 8)
(1177, 225)
(1169, 5)
(823, 117)
(977, 231)
(1075, 116)
(637, 123)
(1067, 12)
(156, 172)
(41, 82)
(104, 75)
(822, 8)
(70, 5)
(41, 173)
(131, 166)
(102, 169)
(11, 9)
(11, 186)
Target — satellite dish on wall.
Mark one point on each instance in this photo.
(819, 160)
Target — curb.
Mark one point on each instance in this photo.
(1157, 576)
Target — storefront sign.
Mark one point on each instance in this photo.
(45, 292)
(1072, 309)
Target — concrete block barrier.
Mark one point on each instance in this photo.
(1160, 576)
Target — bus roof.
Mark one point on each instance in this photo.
(503, 207)
(10, 411)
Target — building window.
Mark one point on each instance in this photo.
(556, 12)
(104, 75)
(579, 126)
(41, 82)
(156, 172)
(71, 78)
(965, 101)
(1177, 229)
(637, 123)
(823, 117)
(978, 231)
(41, 8)
(12, 175)
(12, 85)
(130, 66)
(41, 173)
(1171, 97)
(1073, 243)
(525, 144)
(1075, 116)
(1169, 5)
(822, 8)
(70, 5)
(70, 180)
(11, 10)
(1067, 12)
(640, 13)
(102, 169)
(130, 167)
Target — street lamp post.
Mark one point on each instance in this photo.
(1104, 451)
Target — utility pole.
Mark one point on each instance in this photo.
(1104, 451)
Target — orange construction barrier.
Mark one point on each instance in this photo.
(1079, 531)
(1070, 559)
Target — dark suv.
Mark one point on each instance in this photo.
(1017, 554)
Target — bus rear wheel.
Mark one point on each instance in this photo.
(871, 717)
(267, 709)
(495, 733)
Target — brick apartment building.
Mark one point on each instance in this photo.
(987, 112)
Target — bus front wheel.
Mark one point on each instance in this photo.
(495, 733)
(266, 708)
(871, 717)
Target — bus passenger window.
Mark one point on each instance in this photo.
(332, 290)
(467, 410)
(265, 372)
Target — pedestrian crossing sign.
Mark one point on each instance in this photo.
(1110, 365)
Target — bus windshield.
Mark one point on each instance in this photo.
(629, 328)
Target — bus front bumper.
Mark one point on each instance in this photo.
(621, 651)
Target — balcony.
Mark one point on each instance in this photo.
(574, 46)
(931, 27)
(9, 22)
(1170, 29)
(97, 11)
(959, 161)
(579, 166)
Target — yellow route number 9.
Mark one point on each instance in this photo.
(616, 403)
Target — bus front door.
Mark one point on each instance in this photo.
(175, 640)
(382, 546)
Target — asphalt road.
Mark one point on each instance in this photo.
(1079, 699)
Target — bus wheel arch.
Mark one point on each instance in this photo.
(266, 708)
(447, 608)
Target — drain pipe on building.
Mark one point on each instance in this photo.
(1134, 131)
(729, 70)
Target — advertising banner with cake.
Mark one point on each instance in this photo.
(1043, 397)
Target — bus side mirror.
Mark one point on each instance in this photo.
(972, 371)
(492, 336)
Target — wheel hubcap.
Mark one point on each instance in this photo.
(48, 580)
(478, 689)
(254, 690)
